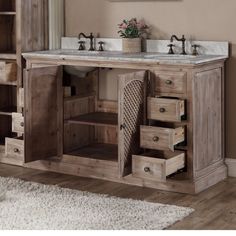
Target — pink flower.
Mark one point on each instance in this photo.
(123, 26)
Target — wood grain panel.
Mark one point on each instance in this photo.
(207, 124)
(43, 113)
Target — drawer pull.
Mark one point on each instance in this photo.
(22, 124)
(16, 150)
(162, 110)
(169, 82)
(147, 169)
(155, 139)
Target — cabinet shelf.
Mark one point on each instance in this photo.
(8, 111)
(7, 13)
(105, 152)
(8, 55)
(96, 119)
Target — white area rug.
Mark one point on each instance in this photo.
(32, 206)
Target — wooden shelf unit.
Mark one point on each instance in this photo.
(17, 21)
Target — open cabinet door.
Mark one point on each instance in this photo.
(131, 115)
(43, 113)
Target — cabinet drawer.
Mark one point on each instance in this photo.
(17, 123)
(164, 109)
(15, 148)
(170, 82)
(8, 72)
(157, 165)
(161, 138)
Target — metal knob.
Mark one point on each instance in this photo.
(169, 82)
(16, 150)
(22, 124)
(162, 110)
(155, 139)
(147, 169)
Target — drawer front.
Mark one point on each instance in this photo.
(153, 168)
(15, 148)
(161, 138)
(165, 109)
(170, 82)
(8, 72)
(17, 123)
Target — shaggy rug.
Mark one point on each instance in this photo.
(32, 206)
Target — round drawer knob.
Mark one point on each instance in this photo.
(169, 82)
(147, 169)
(155, 139)
(22, 124)
(162, 110)
(16, 150)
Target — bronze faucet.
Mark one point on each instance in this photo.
(183, 40)
(91, 37)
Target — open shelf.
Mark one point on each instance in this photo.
(8, 110)
(8, 55)
(7, 13)
(106, 152)
(96, 119)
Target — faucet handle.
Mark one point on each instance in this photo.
(195, 49)
(101, 48)
(171, 51)
(81, 45)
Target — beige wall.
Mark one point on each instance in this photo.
(198, 19)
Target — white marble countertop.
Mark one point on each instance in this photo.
(117, 56)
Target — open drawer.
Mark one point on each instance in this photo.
(165, 109)
(157, 166)
(8, 72)
(15, 148)
(17, 123)
(161, 138)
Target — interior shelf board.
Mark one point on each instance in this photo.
(7, 13)
(96, 119)
(7, 111)
(8, 55)
(104, 152)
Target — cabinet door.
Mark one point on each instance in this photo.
(43, 113)
(131, 115)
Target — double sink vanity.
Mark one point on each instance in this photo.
(164, 131)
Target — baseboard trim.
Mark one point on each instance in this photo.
(231, 164)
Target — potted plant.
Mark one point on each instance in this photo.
(132, 32)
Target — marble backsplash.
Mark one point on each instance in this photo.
(157, 46)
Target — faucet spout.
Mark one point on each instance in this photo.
(91, 37)
(183, 40)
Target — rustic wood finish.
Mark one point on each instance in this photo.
(157, 138)
(157, 166)
(43, 113)
(165, 109)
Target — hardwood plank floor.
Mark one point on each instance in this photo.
(214, 209)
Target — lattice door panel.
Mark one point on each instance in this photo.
(131, 116)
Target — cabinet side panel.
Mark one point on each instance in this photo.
(207, 124)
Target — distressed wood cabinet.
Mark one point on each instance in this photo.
(23, 28)
(165, 131)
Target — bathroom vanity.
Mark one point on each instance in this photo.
(165, 131)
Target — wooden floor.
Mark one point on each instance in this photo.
(214, 209)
